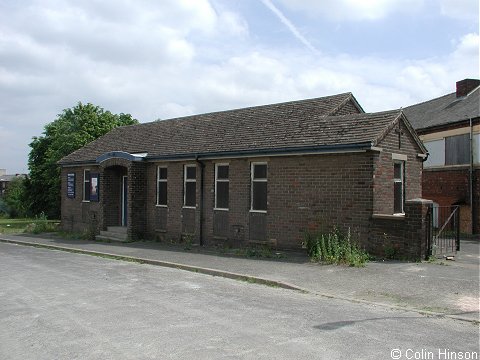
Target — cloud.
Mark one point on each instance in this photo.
(174, 58)
(353, 10)
(460, 9)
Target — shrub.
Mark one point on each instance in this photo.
(334, 248)
(41, 225)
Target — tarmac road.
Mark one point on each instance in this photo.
(58, 305)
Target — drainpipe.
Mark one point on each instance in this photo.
(202, 167)
(472, 205)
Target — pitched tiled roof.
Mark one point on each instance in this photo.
(444, 110)
(298, 124)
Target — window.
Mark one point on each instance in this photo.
(190, 186)
(259, 187)
(221, 186)
(457, 149)
(86, 185)
(398, 187)
(436, 153)
(162, 173)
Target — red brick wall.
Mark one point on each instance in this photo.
(449, 186)
(383, 170)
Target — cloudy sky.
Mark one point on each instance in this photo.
(168, 58)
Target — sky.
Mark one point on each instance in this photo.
(170, 58)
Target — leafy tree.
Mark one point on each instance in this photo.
(73, 129)
(15, 198)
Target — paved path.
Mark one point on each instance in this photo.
(446, 287)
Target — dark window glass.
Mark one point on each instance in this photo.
(398, 198)
(222, 194)
(397, 171)
(162, 173)
(260, 171)
(457, 149)
(162, 193)
(259, 195)
(190, 193)
(398, 187)
(86, 186)
(222, 172)
(191, 173)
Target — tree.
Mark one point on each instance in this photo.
(73, 129)
(15, 198)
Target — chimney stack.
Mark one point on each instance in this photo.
(465, 86)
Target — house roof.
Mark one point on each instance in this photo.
(445, 110)
(8, 178)
(293, 126)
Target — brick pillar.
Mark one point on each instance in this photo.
(137, 200)
(416, 228)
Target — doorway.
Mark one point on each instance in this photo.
(124, 200)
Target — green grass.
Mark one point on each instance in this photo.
(16, 226)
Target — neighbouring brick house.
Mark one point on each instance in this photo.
(6, 179)
(262, 174)
(449, 127)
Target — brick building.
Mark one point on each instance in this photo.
(263, 174)
(449, 126)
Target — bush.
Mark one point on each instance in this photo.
(334, 248)
(41, 225)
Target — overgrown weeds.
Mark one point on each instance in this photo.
(41, 224)
(335, 248)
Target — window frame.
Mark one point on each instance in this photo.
(448, 151)
(85, 186)
(400, 180)
(159, 180)
(185, 181)
(217, 180)
(252, 180)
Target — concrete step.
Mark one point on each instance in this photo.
(117, 229)
(112, 235)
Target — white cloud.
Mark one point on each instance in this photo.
(170, 58)
(353, 10)
(460, 9)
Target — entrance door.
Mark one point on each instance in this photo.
(124, 200)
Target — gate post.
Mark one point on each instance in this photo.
(457, 223)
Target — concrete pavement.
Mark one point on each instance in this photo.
(446, 288)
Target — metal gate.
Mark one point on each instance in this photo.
(444, 230)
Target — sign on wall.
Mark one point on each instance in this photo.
(94, 187)
(71, 185)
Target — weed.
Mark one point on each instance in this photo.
(40, 224)
(334, 248)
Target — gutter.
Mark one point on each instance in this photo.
(472, 205)
(202, 170)
(303, 150)
(269, 152)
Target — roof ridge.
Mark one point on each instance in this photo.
(427, 101)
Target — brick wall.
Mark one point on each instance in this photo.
(78, 215)
(402, 237)
(449, 186)
(314, 192)
(383, 170)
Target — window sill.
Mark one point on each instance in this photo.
(189, 207)
(389, 216)
(161, 206)
(220, 209)
(259, 211)
(85, 201)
